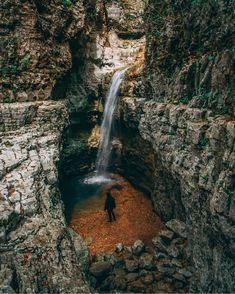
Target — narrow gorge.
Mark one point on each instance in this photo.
(132, 97)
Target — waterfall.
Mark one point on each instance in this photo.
(104, 150)
(106, 126)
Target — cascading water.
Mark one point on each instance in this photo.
(105, 131)
(106, 126)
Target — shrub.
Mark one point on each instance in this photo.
(202, 142)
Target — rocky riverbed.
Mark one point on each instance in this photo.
(161, 266)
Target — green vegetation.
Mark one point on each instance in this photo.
(67, 2)
(225, 110)
(185, 131)
(196, 2)
(204, 96)
(185, 100)
(211, 57)
(157, 34)
(8, 70)
(206, 178)
(172, 132)
(57, 53)
(25, 61)
(202, 141)
(183, 146)
(229, 191)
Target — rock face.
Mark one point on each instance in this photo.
(38, 253)
(186, 120)
(176, 142)
(35, 46)
(113, 38)
(190, 53)
(37, 250)
(195, 182)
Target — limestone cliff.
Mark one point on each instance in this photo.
(186, 118)
(37, 250)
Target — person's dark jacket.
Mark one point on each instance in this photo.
(109, 202)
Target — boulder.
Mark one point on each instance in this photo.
(157, 276)
(143, 273)
(130, 277)
(173, 251)
(178, 227)
(100, 257)
(147, 280)
(119, 248)
(179, 277)
(160, 255)
(167, 236)
(166, 271)
(131, 265)
(100, 269)
(119, 283)
(106, 284)
(177, 263)
(136, 287)
(185, 273)
(146, 261)
(119, 272)
(159, 244)
(138, 247)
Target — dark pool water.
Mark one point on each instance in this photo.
(80, 190)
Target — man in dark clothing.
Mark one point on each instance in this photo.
(110, 205)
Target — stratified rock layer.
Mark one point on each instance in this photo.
(185, 123)
(194, 181)
(38, 253)
(37, 250)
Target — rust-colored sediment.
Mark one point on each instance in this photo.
(135, 220)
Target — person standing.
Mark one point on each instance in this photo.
(110, 204)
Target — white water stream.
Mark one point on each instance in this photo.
(104, 150)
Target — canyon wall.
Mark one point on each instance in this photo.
(177, 127)
(186, 115)
(38, 252)
(52, 50)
